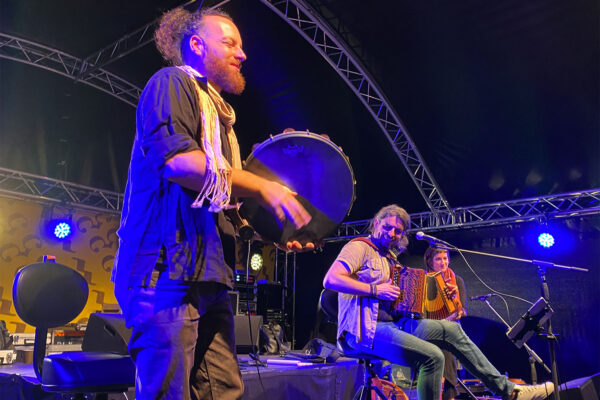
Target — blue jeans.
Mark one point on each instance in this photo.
(418, 344)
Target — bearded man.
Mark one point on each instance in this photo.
(368, 322)
(177, 241)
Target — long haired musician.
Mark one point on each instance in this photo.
(438, 261)
(367, 322)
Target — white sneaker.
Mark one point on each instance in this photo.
(532, 392)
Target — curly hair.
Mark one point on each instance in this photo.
(393, 210)
(175, 26)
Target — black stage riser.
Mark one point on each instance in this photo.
(582, 389)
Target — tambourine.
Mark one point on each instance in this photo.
(311, 166)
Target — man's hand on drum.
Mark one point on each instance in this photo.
(282, 202)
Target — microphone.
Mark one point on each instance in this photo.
(482, 298)
(432, 240)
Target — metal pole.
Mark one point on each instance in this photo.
(294, 303)
(550, 335)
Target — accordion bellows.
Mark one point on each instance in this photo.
(422, 293)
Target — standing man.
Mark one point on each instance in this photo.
(367, 323)
(176, 241)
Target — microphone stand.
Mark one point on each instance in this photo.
(542, 266)
(246, 233)
(533, 357)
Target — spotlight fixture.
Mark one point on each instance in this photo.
(62, 230)
(256, 262)
(546, 240)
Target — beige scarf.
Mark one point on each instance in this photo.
(217, 181)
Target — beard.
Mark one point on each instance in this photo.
(221, 73)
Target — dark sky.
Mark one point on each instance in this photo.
(501, 99)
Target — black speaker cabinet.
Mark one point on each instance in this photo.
(587, 388)
(269, 298)
(243, 340)
(106, 332)
(234, 297)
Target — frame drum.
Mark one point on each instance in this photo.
(311, 166)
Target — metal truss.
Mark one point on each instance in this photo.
(515, 211)
(302, 17)
(123, 46)
(22, 185)
(28, 52)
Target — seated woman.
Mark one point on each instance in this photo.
(437, 260)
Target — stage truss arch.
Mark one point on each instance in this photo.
(38, 55)
(333, 48)
(312, 27)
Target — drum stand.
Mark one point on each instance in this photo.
(541, 266)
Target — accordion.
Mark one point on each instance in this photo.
(425, 294)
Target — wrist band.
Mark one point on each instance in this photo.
(373, 288)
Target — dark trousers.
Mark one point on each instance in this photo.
(183, 342)
(449, 390)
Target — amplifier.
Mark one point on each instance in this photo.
(247, 331)
(234, 297)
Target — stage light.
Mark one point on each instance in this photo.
(256, 262)
(62, 230)
(546, 240)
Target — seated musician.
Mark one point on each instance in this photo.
(368, 324)
(437, 260)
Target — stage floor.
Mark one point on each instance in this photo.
(332, 381)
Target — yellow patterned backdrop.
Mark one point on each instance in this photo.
(90, 250)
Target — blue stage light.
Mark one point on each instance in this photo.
(62, 230)
(546, 240)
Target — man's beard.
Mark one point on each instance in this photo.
(383, 243)
(222, 73)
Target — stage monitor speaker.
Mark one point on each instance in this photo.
(106, 332)
(242, 332)
(587, 388)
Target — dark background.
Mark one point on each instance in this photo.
(502, 100)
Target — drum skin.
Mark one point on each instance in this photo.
(311, 166)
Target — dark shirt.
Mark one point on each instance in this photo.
(157, 218)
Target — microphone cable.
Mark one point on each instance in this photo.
(494, 292)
